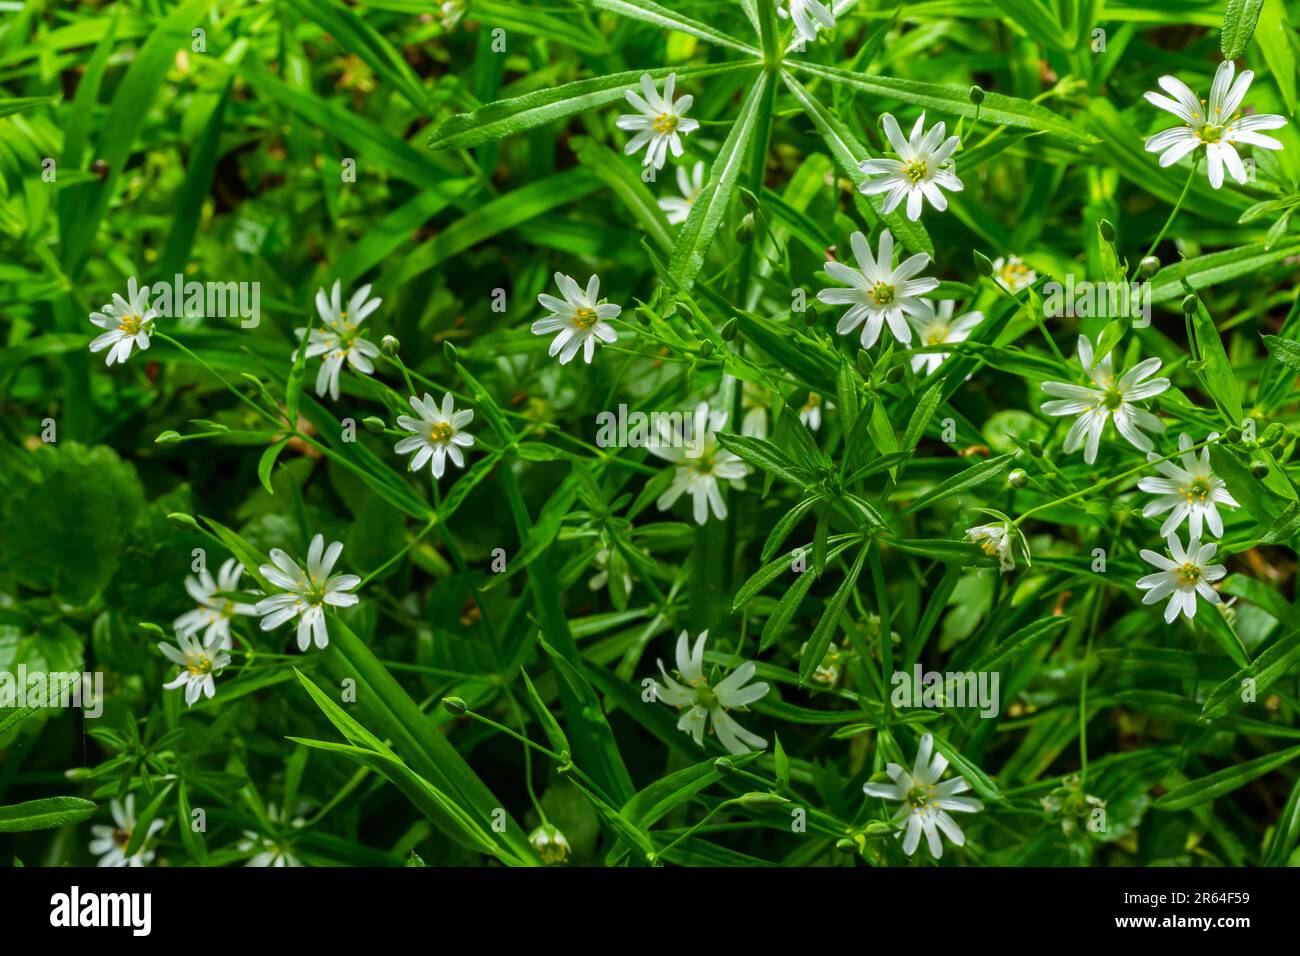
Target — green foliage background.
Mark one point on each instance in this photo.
(486, 157)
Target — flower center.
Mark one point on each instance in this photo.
(440, 433)
(198, 665)
(882, 293)
(1196, 492)
(915, 171)
(1188, 574)
(131, 324)
(585, 318)
(704, 697)
(1015, 273)
(922, 796)
(665, 123)
(1112, 399)
(938, 335)
(121, 838)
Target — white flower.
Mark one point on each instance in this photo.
(940, 328)
(661, 124)
(129, 323)
(700, 467)
(691, 186)
(704, 703)
(214, 612)
(436, 435)
(1191, 491)
(1181, 579)
(880, 292)
(307, 592)
(924, 165)
(1012, 274)
(200, 661)
(925, 801)
(1219, 125)
(550, 843)
(338, 339)
(109, 843)
(1112, 399)
(754, 403)
(811, 413)
(579, 318)
(809, 16)
(272, 851)
(996, 540)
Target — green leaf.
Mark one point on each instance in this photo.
(521, 113)
(649, 12)
(1238, 27)
(825, 630)
(954, 100)
(971, 477)
(1196, 792)
(1268, 668)
(44, 814)
(766, 456)
(267, 462)
(711, 205)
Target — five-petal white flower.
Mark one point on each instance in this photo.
(306, 592)
(704, 704)
(436, 435)
(110, 843)
(1218, 125)
(1112, 399)
(925, 801)
(691, 185)
(1191, 491)
(338, 339)
(200, 662)
(129, 323)
(659, 123)
(879, 292)
(940, 328)
(1187, 575)
(700, 466)
(214, 612)
(924, 168)
(997, 541)
(580, 318)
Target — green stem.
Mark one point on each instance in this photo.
(1172, 214)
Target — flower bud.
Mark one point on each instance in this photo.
(723, 765)
(1233, 434)
(976, 95)
(390, 344)
(374, 424)
(550, 844)
(1107, 230)
(706, 349)
(1036, 448)
(865, 365)
(183, 520)
(168, 438)
(1271, 434)
(983, 265)
(894, 375)
(760, 800)
(729, 329)
(745, 231)
(1149, 266)
(1189, 304)
(1259, 469)
(454, 706)
(1018, 478)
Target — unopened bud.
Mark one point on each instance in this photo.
(706, 349)
(374, 424)
(1259, 469)
(983, 265)
(745, 231)
(729, 329)
(723, 765)
(1107, 230)
(1149, 266)
(454, 706)
(865, 365)
(976, 95)
(181, 519)
(168, 438)
(390, 344)
(1189, 304)
(1018, 478)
